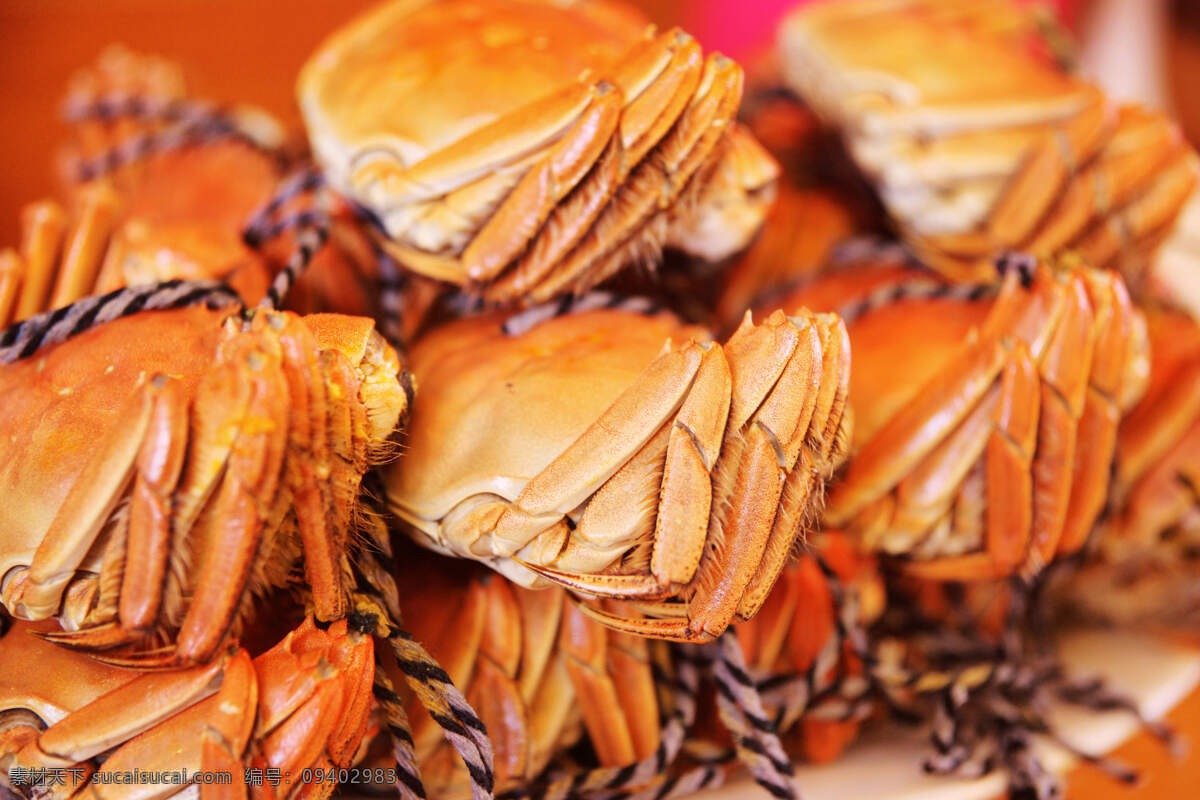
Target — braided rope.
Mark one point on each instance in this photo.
(392, 283)
(312, 227)
(257, 230)
(309, 242)
(408, 772)
(189, 122)
(741, 710)
(987, 702)
(460, 724)
(632, 778)
(25, 338)
(140, 146)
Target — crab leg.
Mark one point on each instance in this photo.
(1007, 464)
(816, 435)
(11, 271)
(1047, 168)
(692, 451)
(619, 433)
(89, 503)
(251, 478)
(1104, 186)
(659, 78)
(656, 182)
(522, 213)
(478, 153)
(129, 710)
(585, 648)
(159, 465)
(42, 228)
(750, 482)
(1098, 423)
(84, 252)
(1064, 371)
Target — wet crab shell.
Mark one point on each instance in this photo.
(158, 468)
(985, 421)
(625, 455)
(587, 141)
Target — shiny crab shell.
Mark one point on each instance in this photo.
(985, 420)
(973, 162)
(300, 708)
(587, 141)
(625, 455)
(161, 468)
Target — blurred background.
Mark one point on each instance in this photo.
(250, 50)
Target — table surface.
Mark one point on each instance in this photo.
(250, 52)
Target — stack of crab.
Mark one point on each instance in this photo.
(984, 143)
(265, 405)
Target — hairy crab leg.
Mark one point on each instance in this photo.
(1114, 352)
(657, 180)
(147, 550)
(817, 434)
(620, 431)
(1064, 369)
(527, 207)
(685, 496)
(1008, 460)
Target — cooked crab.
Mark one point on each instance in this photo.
(1144, 566)
(587, 141)
(625, 455)
(985, 421)
(162, 186)
(532, 664)
(972, 162)
(160, 469)
(299, 709)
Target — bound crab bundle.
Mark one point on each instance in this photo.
(295, 714)
(594, 141)
(978, 143)
(624, 454)
(172, 455)
(990, 454)
(1144, 566)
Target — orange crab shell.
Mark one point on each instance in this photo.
(526, 448)
(301, 705)
(591, 141)
(180, 411)
(989, 452)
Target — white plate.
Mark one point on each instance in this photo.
(885, 764)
